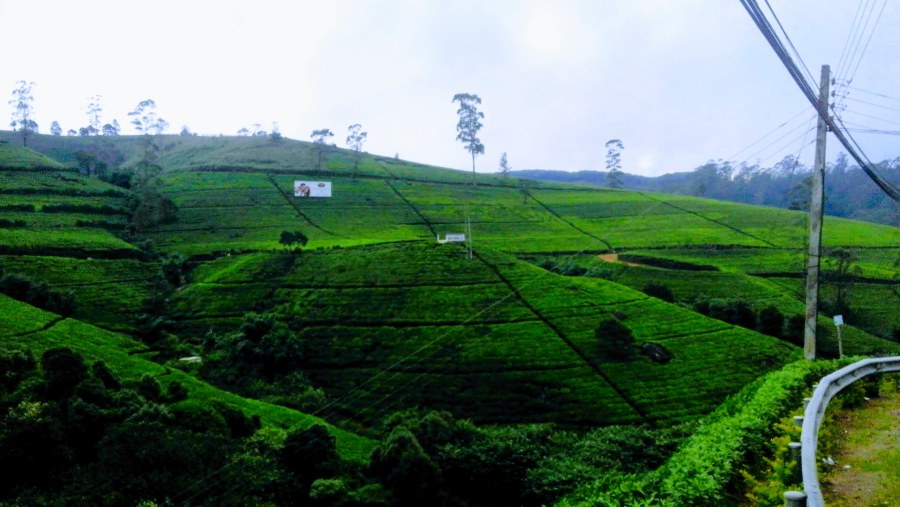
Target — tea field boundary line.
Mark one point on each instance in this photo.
(713, 220)
(486, 371)
(207, 229)
(413, 207)
(297, 286)
(515, 291)
(102, 282)
(56, 320)
(297, 209)
(399, 324)
(570, 224)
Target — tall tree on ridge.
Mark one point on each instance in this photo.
(23, 110)
(320, 144)
(614, 149)
(469, 124)
(355, 139)
(94, 112)
(504, 165)
(145, 120)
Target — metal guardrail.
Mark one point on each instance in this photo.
(812, 419)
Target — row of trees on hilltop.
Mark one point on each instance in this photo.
(143, 117)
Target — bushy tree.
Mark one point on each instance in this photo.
(614, 339)
(659, 291)
(111, 129)
(55, 129)
(293, 238)
(63, 370)
(771, 321)
(149, 206)
(403, 465)
(309, 454)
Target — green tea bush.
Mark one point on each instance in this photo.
(706, 469)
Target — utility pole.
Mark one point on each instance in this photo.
(815, 221)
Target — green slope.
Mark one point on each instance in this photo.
(21, 324)
(387, 319)
(493, 338)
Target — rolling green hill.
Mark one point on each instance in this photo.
(369, 315)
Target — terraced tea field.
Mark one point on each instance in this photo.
(484, 337)
(384, 318)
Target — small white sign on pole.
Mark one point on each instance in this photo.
(838, 320)
(452, 238)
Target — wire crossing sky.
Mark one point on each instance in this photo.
(679, 83)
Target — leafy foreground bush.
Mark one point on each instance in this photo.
(706, 469)
(72, 433)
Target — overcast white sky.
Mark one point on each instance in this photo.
(679, 82)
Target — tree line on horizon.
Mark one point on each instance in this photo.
(848, 191)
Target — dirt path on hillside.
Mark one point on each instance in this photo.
(872, 451)
(614, 258)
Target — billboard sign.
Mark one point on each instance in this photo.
(312, 189)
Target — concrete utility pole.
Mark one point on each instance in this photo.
(815, 221)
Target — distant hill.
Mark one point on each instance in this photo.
(849, 192)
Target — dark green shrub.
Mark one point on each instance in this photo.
(310, 454)
(102, 373)
(614, 339)
(659, 291)
(292, 238)
(405, 468)
(771, 321)
(176, 391)
(63, 369)
(149, 388)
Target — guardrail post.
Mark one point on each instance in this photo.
(798, 420)
(795, 499)
(794, 447)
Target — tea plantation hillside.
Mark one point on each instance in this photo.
(578, 308)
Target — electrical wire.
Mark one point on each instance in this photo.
(835, 123)
(858, 28)
(754, 143)
(874, 104)
(869, 40)
(851, 35)
(874, 93)
(874, 117)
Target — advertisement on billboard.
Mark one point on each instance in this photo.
(312, 189)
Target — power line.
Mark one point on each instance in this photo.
(875, 131)
(874, 117)
(874, 93)
(851, 35)
(779, 127)
(788, 38)
(871, 34)
(874, 104)
(835, 123)
(859, 26)
(786, 145)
